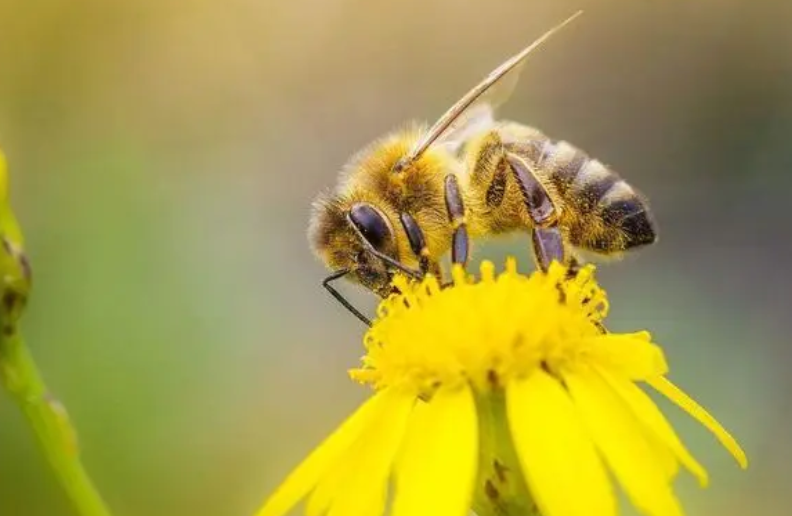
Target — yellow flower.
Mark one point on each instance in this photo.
(504, 394)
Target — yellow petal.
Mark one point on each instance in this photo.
(330, 486)
(633, 355)
(666, 459)
(620, 438)
(321, 498)
(644, 409)
(664, 386)
(362, 483)
(308, 473)
(438, 464)
(559, 461)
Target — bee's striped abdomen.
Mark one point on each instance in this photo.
(602, 212)
(593, 182)
(631, 216)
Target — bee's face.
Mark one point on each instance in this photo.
(372, 273)
(343, 237)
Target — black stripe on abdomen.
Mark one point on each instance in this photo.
(564, 163)
(591, 188)
(631, 216)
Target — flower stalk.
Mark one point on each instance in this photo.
(50, 423)
(21, 378)
(501, 489)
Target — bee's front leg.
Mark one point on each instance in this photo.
(417, 240)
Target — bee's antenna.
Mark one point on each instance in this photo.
(396, 264)
(414, 274)
(340, 298)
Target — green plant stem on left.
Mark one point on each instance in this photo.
(49, 422)
(20, 376)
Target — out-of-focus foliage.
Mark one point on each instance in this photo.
(164, 155)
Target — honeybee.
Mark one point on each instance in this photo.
(408, 198)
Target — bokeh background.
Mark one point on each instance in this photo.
(164, 155)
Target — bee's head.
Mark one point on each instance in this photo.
(343, 235)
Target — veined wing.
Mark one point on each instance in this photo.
(476, 107)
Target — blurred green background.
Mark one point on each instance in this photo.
(164, 155)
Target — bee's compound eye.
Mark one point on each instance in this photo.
(371, 224)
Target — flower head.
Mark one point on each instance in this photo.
(505, 394)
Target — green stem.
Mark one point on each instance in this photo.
(501, 489)
(49, 421)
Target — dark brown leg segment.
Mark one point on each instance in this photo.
(548, 241)
(574, 267)
(417, 243)
(456, 214)
(548, 245)
(537, 200)
(495, 157)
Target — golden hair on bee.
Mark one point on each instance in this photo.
(365, 216)
(410, 197)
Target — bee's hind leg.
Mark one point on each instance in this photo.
(547, 239)
(535, 196)
(548, 245)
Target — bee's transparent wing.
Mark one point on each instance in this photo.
(478, 118)
(476, 108)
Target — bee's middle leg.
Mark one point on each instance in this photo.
(455, 206)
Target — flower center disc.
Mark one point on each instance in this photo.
(482, 331)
